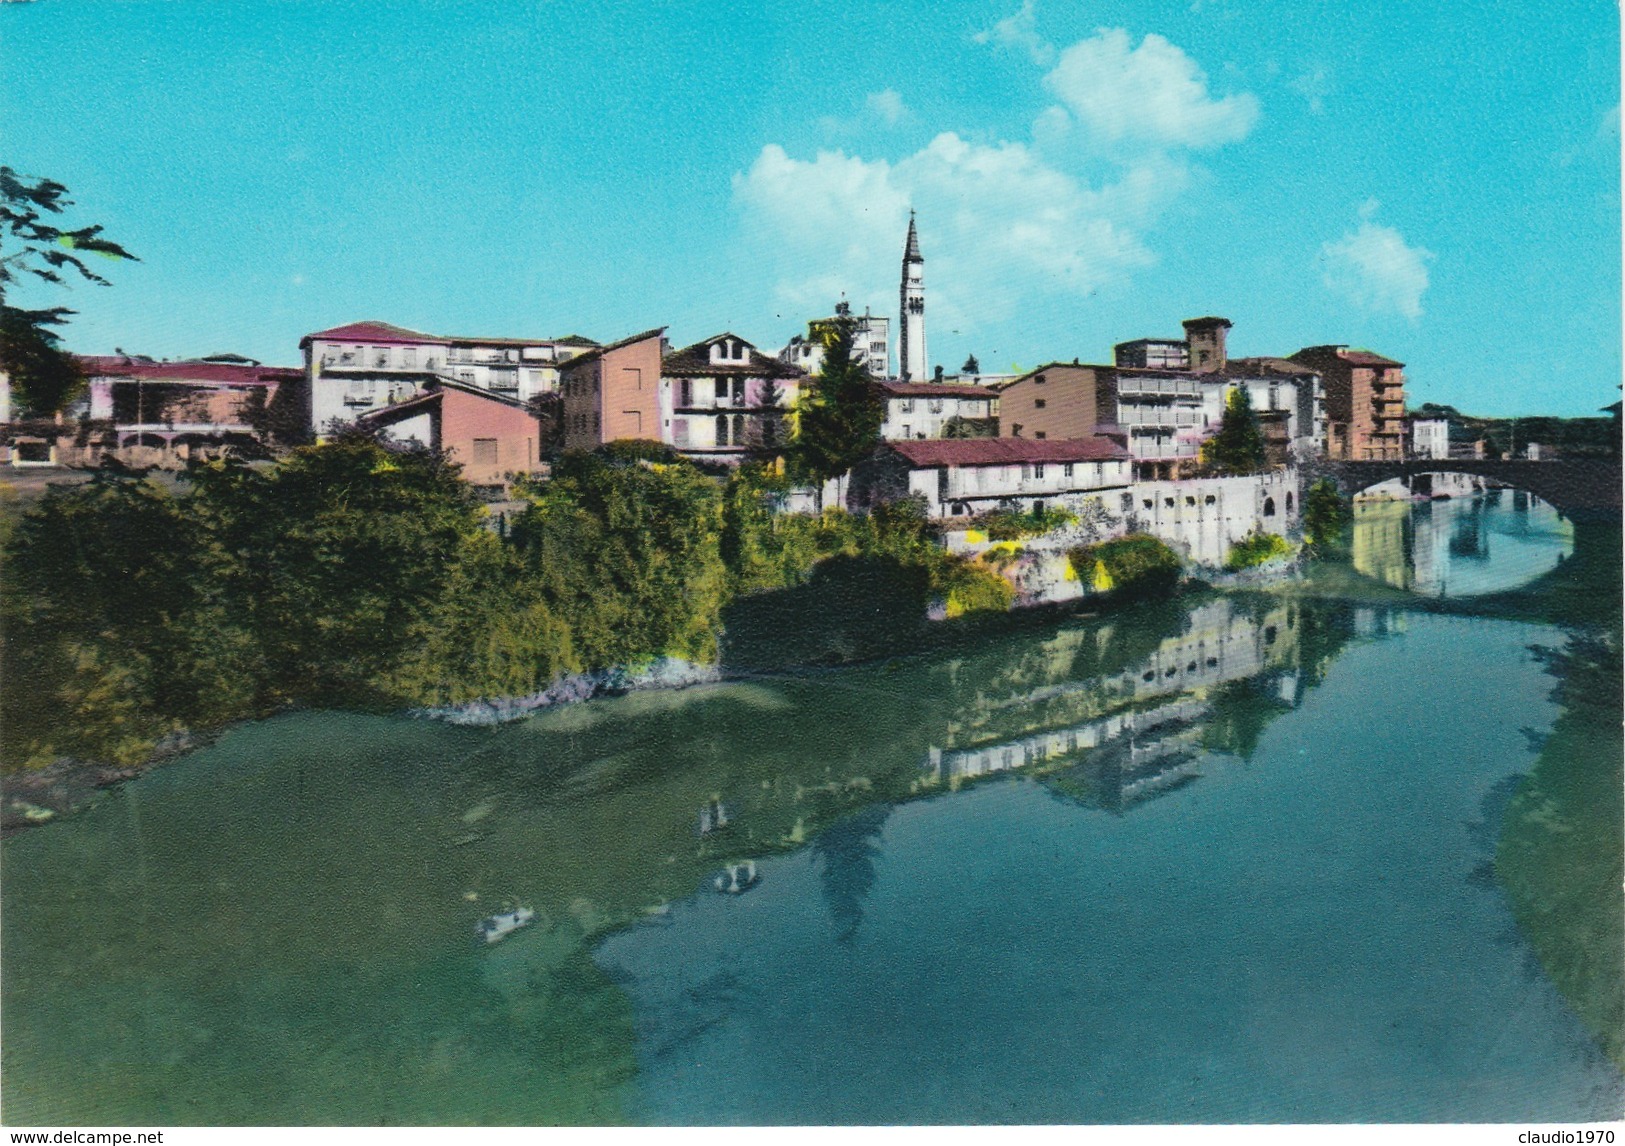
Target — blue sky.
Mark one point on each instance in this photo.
(1436, 182)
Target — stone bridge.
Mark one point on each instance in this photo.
(1571, 485)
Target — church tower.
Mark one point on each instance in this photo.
(911, 359)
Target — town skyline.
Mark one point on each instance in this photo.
(286, 175)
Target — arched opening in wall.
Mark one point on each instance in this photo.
(1289, 501)
(1269, 507)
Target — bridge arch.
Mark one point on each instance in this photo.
(1577, 485)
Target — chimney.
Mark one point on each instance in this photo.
(1205, 337)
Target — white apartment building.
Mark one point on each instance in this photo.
(924, 410)
(871, 342)
(1430, 438)
(958, 477)
(365, 366)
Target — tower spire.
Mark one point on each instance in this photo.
(912, 361)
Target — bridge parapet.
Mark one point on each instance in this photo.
(1584, 485)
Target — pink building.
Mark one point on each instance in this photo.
(492, 436)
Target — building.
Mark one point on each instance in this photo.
(612, 392)
(1430, 438)
(924, 410)
(1162, 414)
(1365, 402)
(871, 342)
(165, 414)
(1153, 354)
(913, 364)
(1059, 400)
(1284, 392)
(958, 478)
(722, 398)
(364, 366)
(494, 437)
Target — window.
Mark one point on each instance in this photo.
(1269, 507)
(1038, 403)
(33, 453)
(1190, 500)
(1289, 502)
(1128, 502)
(908, 431)
(634, 420)
(1209, 499)
(409, 357)
(380, 356)
(1040, 435)
(908, 405)
(465, 375)
(1038, 379)
(1066, 470)
(1038, 471)
(485, 451)
(685, 393)
(1168, 502)
(1149, 504)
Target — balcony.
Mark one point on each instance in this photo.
(1171, 386)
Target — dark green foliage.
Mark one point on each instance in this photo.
(1256, 550)
(1238, 447)
(1559, 855)
(36, 247)
(44, 377)
(1135, 565)
(624, 450)
(1569, 437)
(1009, 525)
(841, 410)
(1325, 515)
(963, 428)
(971, 366)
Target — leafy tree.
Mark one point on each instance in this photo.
(1238, 447)
(841, 411)
(1325, 513)
(43, 376)
(971, 366)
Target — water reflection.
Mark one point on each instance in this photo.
(1488, 542)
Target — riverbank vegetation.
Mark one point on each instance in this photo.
(1135, 565)
(352, 575)
(1256, 550)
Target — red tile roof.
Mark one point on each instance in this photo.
(935, 390)
(598, 352)
(1007, 451)
(1366, 358)
(370, 330)
(116, 366)
(695, 361)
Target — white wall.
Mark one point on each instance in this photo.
(1203, 518)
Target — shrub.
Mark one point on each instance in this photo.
(1256, 550)
(1134, 565)
(1325, 513)
(1009, 525)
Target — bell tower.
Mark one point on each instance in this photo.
(912, 358)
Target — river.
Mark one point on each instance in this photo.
(1228, 858)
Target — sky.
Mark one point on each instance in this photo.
(1439, 183)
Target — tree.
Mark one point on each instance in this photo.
(841, 411)
(971, 366)
(1238, 447)
(43, 376)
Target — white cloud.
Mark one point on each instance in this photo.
(1153, 93)
(1020, 32)
(995, 218)
(889, 106)
(1002, 221)
(1376, 269)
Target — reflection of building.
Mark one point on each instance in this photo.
(1139, 730)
